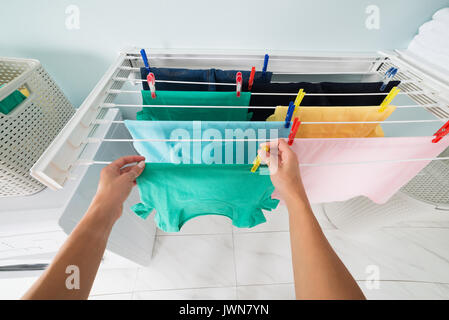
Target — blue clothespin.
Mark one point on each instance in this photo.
(290, 110)
(145, 59)
(393, 73)
(388, 77)
(265, 64)
(388, 73)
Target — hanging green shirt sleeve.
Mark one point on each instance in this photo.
(185, 191)
(195, 98)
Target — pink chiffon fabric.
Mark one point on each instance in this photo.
(377, 181)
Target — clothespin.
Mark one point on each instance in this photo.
(293, 131)
(251, 78)
(288, 117)
(388, 77)
(258, 160)
(239, 81)
(152, 84)
(393, 93)
(387, 73)
(299, 97)
(145, 59)
(444, 130)
(265, 64)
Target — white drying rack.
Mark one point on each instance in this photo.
(426, 88)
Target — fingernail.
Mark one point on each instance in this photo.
(141, 164)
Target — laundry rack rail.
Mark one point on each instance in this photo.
(74, 141)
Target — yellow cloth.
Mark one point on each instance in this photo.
(334, 114)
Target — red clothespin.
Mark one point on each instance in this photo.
(251, 78)
(239, 81)
(293, 130)
(444, 130)
(152, 84)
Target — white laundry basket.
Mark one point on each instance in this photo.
(360, 215)
(431, 185)
(27, 130)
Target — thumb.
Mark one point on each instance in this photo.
(284, 151)
(283, 145)
(134, 171)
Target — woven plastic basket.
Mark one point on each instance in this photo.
(28, 129)
(428, 191)
(431, 185)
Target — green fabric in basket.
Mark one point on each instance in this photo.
(11, 102)
(195, 98)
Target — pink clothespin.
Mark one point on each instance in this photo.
(152, 84)
(251, 78)
(293, 130)
(444, 130)
(239, 81)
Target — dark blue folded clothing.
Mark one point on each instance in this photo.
(282, 100)
(362, 87)
(200, 75)
(177, 74)
(321, 100)
(228, 76)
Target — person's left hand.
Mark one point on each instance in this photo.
(116, 183)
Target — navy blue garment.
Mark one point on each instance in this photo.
(228, 76)
(200, 75)
(319, 87)
(362, 87)
(177, 74)
(282, 100)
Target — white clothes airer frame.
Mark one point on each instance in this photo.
(72, 147)
(67, 164)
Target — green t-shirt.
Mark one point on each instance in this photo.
(10, 102)
(195, 98)
(185, 191)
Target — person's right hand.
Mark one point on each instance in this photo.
(284, 168)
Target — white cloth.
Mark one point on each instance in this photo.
(436, 44)
(432, 41)
(429, 55)
(442, 15)
(436, 28)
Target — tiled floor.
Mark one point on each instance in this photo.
(210, 259)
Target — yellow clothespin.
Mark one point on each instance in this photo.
(393, 93)
(256, 162)
(299, 98)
